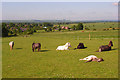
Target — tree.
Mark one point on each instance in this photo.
(73, 27)
(15, 32)
(19, 31)
(54, 28)
(59, 26)
(79, 26)
(4, 24)
(4, 32)
(11, 24)
(59, 29)
(87, 28)
(47, 24)
(49, 29)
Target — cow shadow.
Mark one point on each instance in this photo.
(41, 50)
(114, 49)
(18, 48)
(109, 50)
(81, 48)
(12, 36)
(44, 50)
(84, 48)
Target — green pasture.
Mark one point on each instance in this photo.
(96, 25)
(101, 25)
(49, 63)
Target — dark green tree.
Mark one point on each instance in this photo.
(47, 24)
(4, 24)
(79, 26)
(4, 32)
(45, 29)
(15, 32)
(59, 29)
(73, 27)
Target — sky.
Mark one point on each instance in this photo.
(59, 0)
(59, 10)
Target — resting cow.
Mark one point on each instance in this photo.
(92, 58)
(36, 46)
(11, 44)
(80, 46)
(64, 47)
(105, 47)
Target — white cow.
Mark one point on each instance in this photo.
(92, 58)
(11, 44)
(89, 57)
(64, 47)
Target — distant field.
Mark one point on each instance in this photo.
(49, 63)
(97, 26)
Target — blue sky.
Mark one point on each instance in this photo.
(59, 10)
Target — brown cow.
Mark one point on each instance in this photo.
(105, 47)
(80, 46)
(36, 46)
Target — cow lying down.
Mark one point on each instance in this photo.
(80, 46)
(64, 47)
(92, 58)
(105, 47)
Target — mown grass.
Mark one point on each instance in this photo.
(49, 63)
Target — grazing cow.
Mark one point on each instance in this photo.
(92, 58)
(105, 47)
(36, 46)
(64, 47)
(80, 46)
(11, 44)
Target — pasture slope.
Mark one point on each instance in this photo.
(49, 63)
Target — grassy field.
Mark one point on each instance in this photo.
(49, 63)
(97, 26)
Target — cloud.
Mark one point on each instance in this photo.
(116, 4)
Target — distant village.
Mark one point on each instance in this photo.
(30, 28)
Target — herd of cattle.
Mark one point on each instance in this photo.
(66, 47)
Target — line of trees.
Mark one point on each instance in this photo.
(77, 27)
(30, 28)
(19, 28)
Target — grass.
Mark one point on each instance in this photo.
(96, 25)
(49, 63)
(0, 58)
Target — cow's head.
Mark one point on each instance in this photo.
(100, 59)
(68, 44)
(110, 43)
